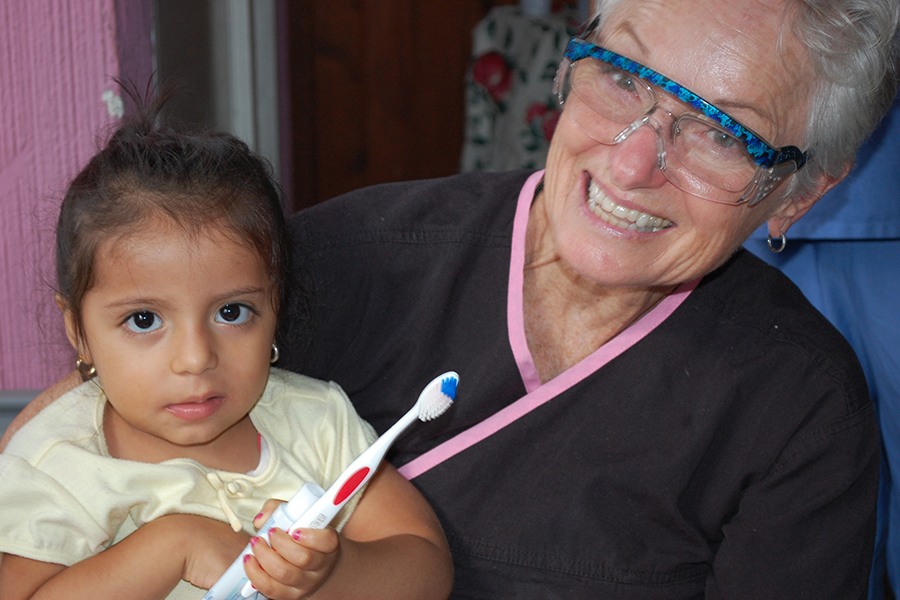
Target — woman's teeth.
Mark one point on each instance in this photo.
(621, 217)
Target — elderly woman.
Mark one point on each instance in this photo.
(645, 410)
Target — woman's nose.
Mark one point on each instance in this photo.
(638, 159)
(193, 352)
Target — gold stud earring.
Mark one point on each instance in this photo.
(85, 369)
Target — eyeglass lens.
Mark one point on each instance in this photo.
(610, 100)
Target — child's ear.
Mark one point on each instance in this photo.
(72, 329)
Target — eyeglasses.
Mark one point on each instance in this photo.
(706, 153)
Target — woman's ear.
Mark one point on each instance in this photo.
(794, 207)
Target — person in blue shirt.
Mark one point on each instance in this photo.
(844, 256)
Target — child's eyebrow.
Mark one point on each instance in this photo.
(135, 301)
(156, 302)
(242, 291)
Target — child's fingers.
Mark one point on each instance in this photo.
(265, 583)
(272, 575)
(292, 566)
(311, 553)
(321, 540)
(267, 509)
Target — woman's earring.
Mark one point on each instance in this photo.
(274, 358)
(776, 244)
(86, 370)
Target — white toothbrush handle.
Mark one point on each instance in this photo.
(233, 584)
(357, 474)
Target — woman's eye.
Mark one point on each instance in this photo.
(722, 139)
(621, 79)
(711, 141)
(625, 82)
(233, 314)
(143, 322)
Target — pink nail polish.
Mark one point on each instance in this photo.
(258, 515)
(296, 535)
(253, 541)
(246, 558)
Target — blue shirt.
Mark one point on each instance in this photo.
(866, 205)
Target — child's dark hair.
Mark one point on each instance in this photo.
(150, 168)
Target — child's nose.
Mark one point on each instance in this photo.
(194, 352)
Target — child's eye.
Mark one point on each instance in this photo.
(143, 322)
(234, 314)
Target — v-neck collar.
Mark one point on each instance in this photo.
(515, 315)
(538, 393)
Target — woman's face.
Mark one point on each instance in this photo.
(728, 53)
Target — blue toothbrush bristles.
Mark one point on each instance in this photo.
(448, 387)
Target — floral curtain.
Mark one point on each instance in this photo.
(511, 111)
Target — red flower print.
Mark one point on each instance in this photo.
(542, 119)
(492, 72)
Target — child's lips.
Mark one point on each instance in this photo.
(194, 410)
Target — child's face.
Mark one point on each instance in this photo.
(180, 329)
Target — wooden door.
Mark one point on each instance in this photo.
(376, 91)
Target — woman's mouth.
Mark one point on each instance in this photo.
(621, 217)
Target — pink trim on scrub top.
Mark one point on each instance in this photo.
(539, 393)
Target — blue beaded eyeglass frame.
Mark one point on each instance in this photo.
(762, 153)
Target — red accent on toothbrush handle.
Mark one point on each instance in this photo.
(350, 485)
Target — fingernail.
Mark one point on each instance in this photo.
(296, 535)
(246, 558)
(253, 541)
(258, 515)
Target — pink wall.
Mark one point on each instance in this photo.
(56, 62)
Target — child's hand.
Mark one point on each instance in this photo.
(208, 546)
(290, 568)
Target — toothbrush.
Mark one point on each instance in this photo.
(321, 507)
(231, 584)
(434, 399)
